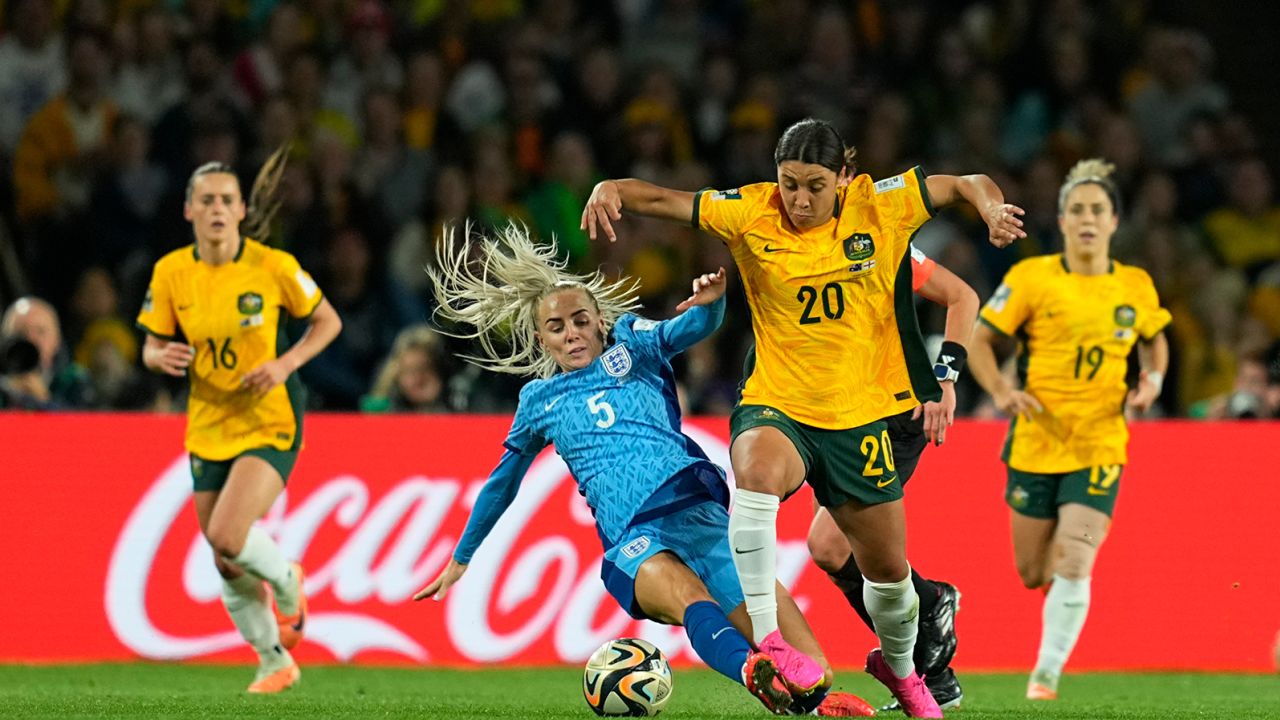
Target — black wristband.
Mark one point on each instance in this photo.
(952, 355)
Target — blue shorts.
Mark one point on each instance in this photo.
(697, 534)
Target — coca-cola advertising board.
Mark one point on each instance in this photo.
(103, 559)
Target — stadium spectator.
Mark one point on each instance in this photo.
(414, 377)
(1246, 233)
(32, 68)
(54, 382)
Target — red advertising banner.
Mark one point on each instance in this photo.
(103, 559)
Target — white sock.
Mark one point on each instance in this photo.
(262, 557)
(895, 610)
(1065, 609)
(246, 601)
(753, 537)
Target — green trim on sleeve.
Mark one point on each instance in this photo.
(149, 331)
(924, 190)
(992, 325)
(696, 221)
(307, 315)
(919, 365)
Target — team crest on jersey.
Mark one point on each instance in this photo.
(635, 547)
(644, 325)
(859, 247)
(1126, 316)
(250, 303)
(617, 362)
(734, 194)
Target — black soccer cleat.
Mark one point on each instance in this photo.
(944, 687)
(936, 641)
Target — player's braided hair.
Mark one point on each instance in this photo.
(263, 202)
(489, 290)
(1096, 171)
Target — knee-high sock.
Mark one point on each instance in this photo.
(246, 601)
(895, 609)
(716, 640)
(848, 579)
(753, 537)
(262, 557)
(1065, 609)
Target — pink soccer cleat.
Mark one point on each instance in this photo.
(801, 672)
(911, 692)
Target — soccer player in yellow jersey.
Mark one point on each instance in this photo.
(825, 265)
(214, 313)
(1076, 316)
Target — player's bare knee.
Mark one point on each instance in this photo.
(1031, 574)
(226, 569)
(1076, 556)
(225, 541)
(827, 554)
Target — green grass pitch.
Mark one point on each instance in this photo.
(145, 690)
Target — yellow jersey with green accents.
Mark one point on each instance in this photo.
(837, 344)
(1075, 334)
(232, 314)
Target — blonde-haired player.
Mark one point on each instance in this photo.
(214, 312)
(1077, 315)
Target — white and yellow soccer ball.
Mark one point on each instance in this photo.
(627, 676)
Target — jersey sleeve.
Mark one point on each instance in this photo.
(674, 336)
(495, 497)
(723, 213)
(922, 267)
(300, 294)
(523, 437)
(1151, 317)
(157, 316)
(1010, 305)
(903, 201)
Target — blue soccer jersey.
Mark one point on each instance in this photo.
(615, 422)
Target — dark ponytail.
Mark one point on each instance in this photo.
(263, 200)
(816, 142)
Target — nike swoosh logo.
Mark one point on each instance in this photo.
(771, 249)
(740, 551)
(183, 307)
(1096, 491)
(552, 404)
(886, 482)
(719, 632)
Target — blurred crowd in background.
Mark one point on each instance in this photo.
(406, 116)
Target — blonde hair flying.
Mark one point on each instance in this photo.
(495, 284)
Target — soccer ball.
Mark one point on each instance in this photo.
(628, 676)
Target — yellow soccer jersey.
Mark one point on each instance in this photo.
(837, 344)
(232, 315)
(1075, 333)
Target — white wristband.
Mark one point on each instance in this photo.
(1155, 377)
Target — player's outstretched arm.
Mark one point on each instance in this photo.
(700, 314)
(437, 588)
(1004, 221)
(610, 197)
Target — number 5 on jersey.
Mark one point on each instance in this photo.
(598, 406)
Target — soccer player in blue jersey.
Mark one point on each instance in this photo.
(605, 397)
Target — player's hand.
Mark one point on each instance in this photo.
(1140, 398)
(603, 208)
(269, 374)
(707, 289)
(437, 588)
(938, 416)
(174, 358)
(1016, 402)
(1004, 223)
